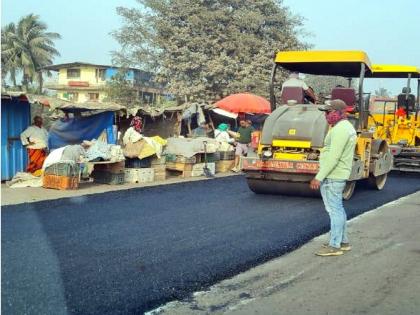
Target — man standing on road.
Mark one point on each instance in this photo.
(335, 165)
(243, 140)
(35, 138)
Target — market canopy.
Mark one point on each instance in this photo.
(244, 103)
(90, 106)
(70, 106)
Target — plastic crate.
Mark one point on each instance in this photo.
(60, 182)
(211, 157)
(227, 155)
(170, 157)
(139, 175)
(137, 163)
(182, 159)
(63, 169)
(198, 169)
(104, 177)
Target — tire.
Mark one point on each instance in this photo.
(349, 189)
(377, 182)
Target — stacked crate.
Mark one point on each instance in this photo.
(159, 167)
(189, 167)
(139, 175)
(137, 163)
(61, 176)
(109, 173)
(139, 171)
(226, 162)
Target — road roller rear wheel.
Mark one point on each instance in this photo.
(377, 182)
(349, 189)
(277, 187)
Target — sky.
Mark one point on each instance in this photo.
(387, 30)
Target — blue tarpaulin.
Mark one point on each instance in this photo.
(75, 130)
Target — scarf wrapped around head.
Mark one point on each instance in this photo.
(335, 116)
(136, 123)
(223, 127)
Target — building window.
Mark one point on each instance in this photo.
(71, 96)
(73, 73)
(93, 96)
(101, 74)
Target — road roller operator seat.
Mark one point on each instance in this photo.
(290, 93)
(347, 95)
(408, 103)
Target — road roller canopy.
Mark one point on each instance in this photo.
(346, 63)
(393, 71)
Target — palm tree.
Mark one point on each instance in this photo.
(10, 63)
(37, 48)
(32, 46)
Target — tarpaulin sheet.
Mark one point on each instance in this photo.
(75, 130)
(190, 146)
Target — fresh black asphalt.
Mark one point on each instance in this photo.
(126, 252)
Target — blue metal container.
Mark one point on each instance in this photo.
(15, 118)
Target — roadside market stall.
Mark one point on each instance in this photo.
(89, 130)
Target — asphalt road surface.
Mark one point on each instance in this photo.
(126, 252)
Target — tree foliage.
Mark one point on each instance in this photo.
(10, 63)
(382, 92)
(27, 47)
(206, 49)
(120, 90)
(323, 84)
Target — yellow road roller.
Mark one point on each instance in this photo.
(293, 135)
(398, 121)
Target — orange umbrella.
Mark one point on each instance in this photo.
(245, 103)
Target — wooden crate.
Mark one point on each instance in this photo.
(159, 167)
(160, 172)
(182, 159)
(224, 166)
(179, 166)
(160, 178)
(116, 167)
(158, 161)
(189, 170)
(60, 182)
(139, 175)
(109, 178)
